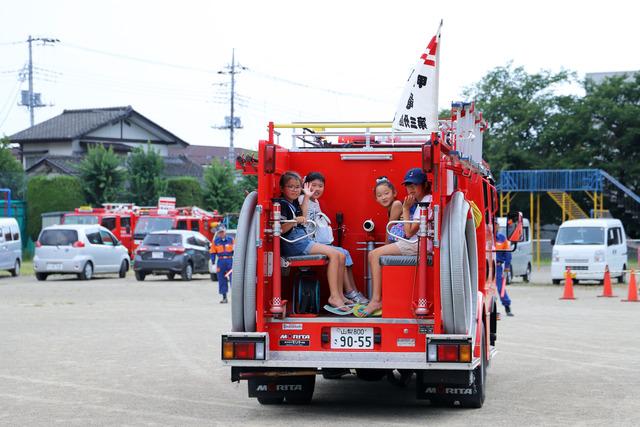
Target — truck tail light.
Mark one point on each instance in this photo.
(78, 244)
(176, 249)
(459, 352)
(243, 348)
(269, 158)
(427, 157)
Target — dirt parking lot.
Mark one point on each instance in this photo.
(121, 352)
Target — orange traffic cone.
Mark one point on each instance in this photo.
(607, 291)
(568, 285)
(633, 289)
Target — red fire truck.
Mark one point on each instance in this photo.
(119, 218)
(439, 315)
(185, 218)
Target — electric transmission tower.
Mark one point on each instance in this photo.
(232, 122)
(30, 99)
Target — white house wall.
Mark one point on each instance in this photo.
(53, 148)
(130, 130)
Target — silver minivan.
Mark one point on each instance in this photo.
(10, 246)
(521, 257)
(84, 250)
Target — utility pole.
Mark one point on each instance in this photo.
(31, 102)
(232, 122)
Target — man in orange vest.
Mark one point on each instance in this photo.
(223, 249)
(503, 265)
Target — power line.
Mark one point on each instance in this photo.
(133, 58)
(307, 86)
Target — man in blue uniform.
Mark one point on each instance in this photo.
(503, 261)
(223, 249)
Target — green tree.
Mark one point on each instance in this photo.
(51, 194)
(145, 169)
(102, 176)
(11, 173)
(519, 108)
(221, 191)
(611, 110)
(247, 184)
(186, 190)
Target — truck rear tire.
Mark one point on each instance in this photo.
(270, 400)
(480, 378)
(303, 398)
(555, 281)
(526, 277)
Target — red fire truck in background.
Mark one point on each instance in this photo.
(439, 315)
(185, 218)
(131, 223)
(119, 218)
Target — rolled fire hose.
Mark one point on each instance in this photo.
(250, 276)
(239, 253)
(458, 268)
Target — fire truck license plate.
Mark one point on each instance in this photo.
(352, 338)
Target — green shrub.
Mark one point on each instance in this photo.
(186, 190)
(50, 194)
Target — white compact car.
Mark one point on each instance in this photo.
(84, 250)
(587, 247)
(10, 246)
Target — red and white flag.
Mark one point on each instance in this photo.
(418, 108)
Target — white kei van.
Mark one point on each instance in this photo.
(521, 257)
(587, 247)
(10, 246)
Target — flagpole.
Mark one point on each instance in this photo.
(438, 71)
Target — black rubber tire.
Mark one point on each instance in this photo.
(526, 278)
(270, 400)
(41, 276)
(140, 275)
(187, 272)
(87, 271)
(334, 373)
(623, 277)
(555, 281)
(306, 398)
(480, 377)
(15, 271)
(214, 277)
(171, 276)
(509, 277)
(124, 267)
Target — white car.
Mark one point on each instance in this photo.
(10, 246)
(84, 250)
(589, 246)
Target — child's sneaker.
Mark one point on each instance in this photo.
(357, 297)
